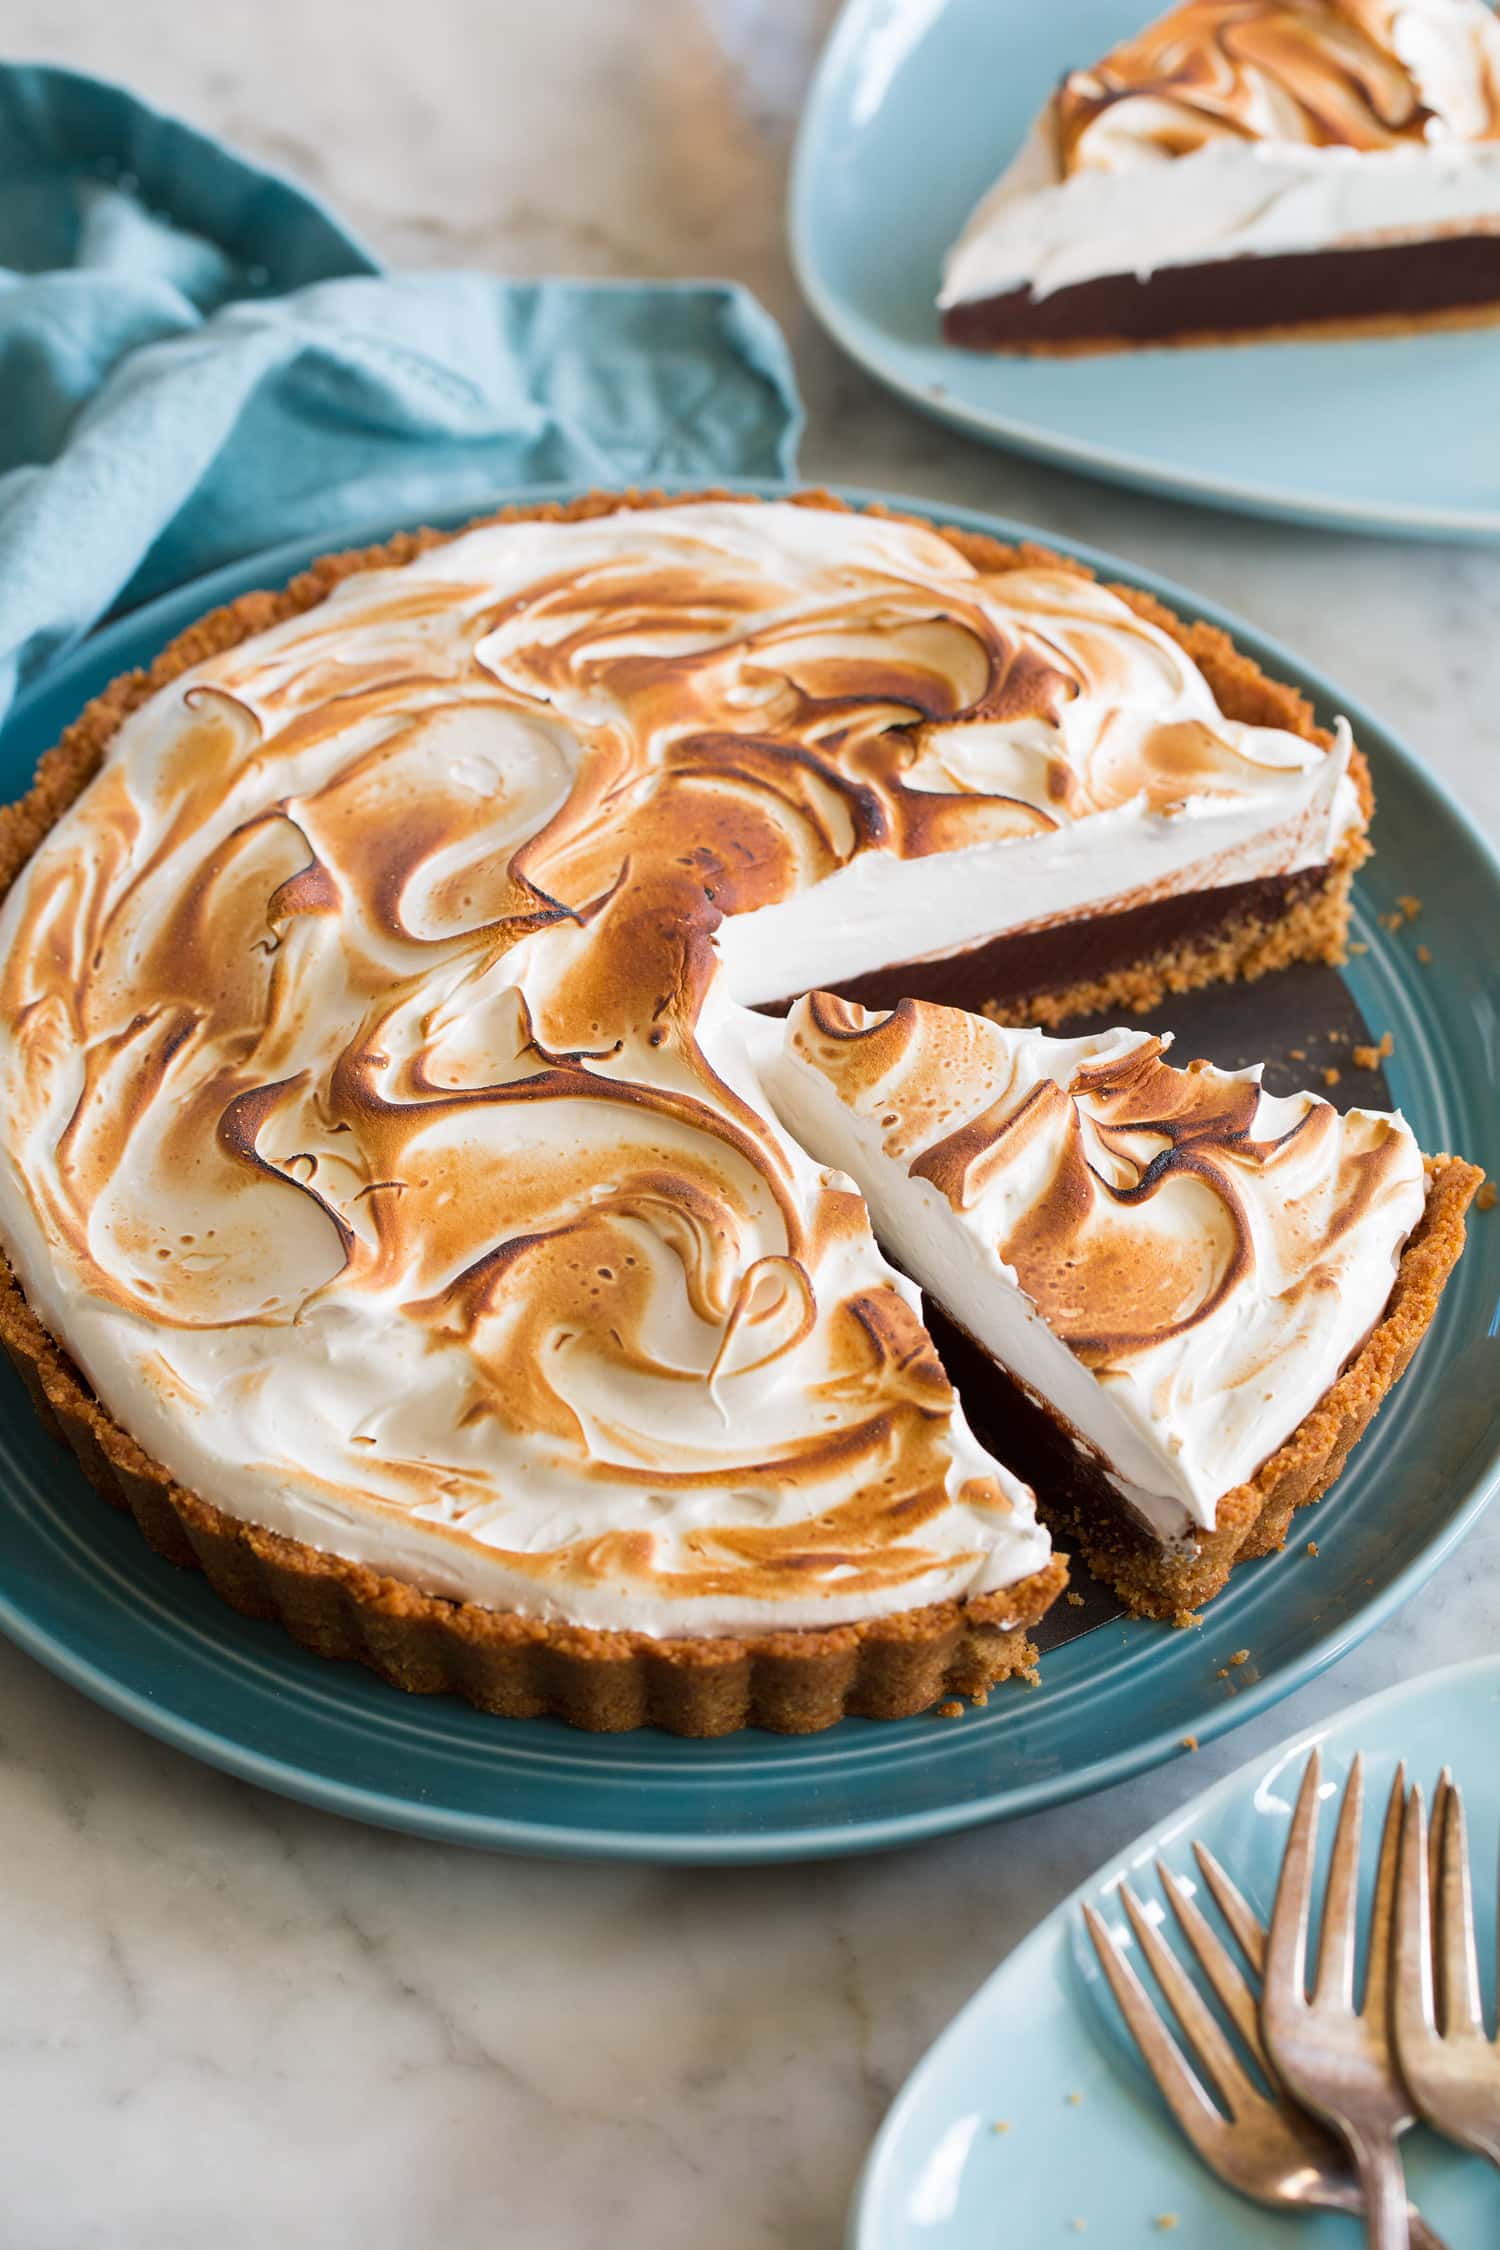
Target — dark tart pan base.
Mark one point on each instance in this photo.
(1390, 289)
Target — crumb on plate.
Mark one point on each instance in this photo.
(1371, 1058)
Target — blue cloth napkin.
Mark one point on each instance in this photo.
(197, 360)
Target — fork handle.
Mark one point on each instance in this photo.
(1421, 2234)
(1383, 2186)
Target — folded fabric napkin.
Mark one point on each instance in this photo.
(197, 360)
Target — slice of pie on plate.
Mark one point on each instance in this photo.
(1175, 1300)
(1248, 169)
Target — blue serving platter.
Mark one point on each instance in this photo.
(82, 1592)
(1042, 2050)
(916, 107)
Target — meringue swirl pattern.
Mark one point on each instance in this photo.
(384, 1132)
(1175, 1262)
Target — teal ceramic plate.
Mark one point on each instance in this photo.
(1044, 2029)
(916, 107)
(80, 1589)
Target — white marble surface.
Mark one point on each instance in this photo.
(225, 2021)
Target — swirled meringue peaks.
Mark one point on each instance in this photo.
(491, 1270)
(1236, 127)
(1174, 1263)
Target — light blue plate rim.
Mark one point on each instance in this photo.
(808, 1763)
(1319, 511)
(1375, 1719)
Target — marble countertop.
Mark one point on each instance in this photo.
(227, 2021)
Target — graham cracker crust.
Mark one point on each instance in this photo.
(1173, 1582)
(1248, 946)
(522, 1668)
(792, 1682)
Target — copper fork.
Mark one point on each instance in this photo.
(1336, 2059)
(1453, 2071)
(1258, 2142)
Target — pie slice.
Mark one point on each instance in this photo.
(1175, 1299)
(1248, 169)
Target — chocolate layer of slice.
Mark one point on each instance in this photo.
(1241, 297)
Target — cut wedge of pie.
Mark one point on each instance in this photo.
(1175, 1299)
(1244, 169)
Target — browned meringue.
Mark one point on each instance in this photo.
(1177, 1263)
(1327, 73)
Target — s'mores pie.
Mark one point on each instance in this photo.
(1248, 169)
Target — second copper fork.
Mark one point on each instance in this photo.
(1336, 2058)
(1453, 2072)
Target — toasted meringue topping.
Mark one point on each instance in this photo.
(384, 1143)
(1176, 1262)
(1275, 107)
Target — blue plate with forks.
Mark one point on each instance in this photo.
(1033, 2118)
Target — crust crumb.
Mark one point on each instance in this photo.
(1487, 1197)
(1410, 907)
(1312, 1547)
(949, 1710)
(1075, 2101)
(1371, 1058)
(1298, 1054)
(1240, 1656)
(1165, 2222)
(1075, 1601)
(1190, 1742)
(1331, 1075)
(1358, 945)
(1001, 2125)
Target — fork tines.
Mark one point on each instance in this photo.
(1437, 2014)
